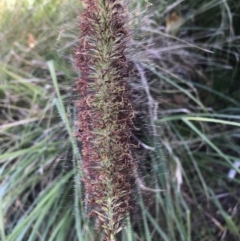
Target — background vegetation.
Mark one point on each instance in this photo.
(187, 92)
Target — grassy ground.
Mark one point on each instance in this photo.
(188, 97)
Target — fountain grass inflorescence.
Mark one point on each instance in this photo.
(105, 113)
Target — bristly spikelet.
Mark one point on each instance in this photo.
(105, 113)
